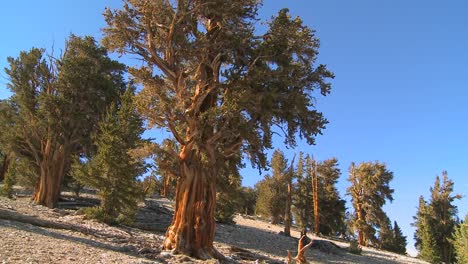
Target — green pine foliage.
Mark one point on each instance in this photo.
(302, 198)
(332, 207)
(248, 199)
(435, 222)
(228, 193)
(460, 241)
(58, 102)
(369, 191)
(272, 191)
(391, 238)
(113, 170)
(399, 241)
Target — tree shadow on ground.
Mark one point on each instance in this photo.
(19, 221)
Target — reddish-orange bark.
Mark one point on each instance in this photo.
(315, 192)
(193, 226)
(52, 171)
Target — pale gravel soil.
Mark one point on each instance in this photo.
(26, 243)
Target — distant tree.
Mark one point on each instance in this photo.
(248, 199)
(228, 192)
(289, 176)
(331, 207)
(460, 241)
(218, 88)
(272, 191)
(264, 190)
(420, 221)
(302, 198)
(57, 103)
(435, 223)
(369, 191)
(399, 243)
(386, 235)
(391, 238)
(113, 170)
(166, 166)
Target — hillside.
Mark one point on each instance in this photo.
(27, 237)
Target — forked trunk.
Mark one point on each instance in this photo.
(52, 171)
(193, 226)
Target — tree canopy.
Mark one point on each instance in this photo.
(219, 87)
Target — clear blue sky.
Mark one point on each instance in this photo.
(400, 94)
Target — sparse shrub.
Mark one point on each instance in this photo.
(354, 248)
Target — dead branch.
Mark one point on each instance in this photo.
(301, 249)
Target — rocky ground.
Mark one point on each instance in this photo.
(26, 237)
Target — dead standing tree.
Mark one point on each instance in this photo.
(219, 89)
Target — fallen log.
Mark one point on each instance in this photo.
(33, 220)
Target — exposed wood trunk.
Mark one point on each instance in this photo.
(315, 192)
(165, 185)
(301, 250)
(287, 214)
(361, 240)
(33, 220)
(193, 227)
(5, 166)
(52, 170)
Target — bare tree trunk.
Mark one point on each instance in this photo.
(52, 171)
(361, 239)
(193, 227)
(315, 192)
(165, 185)
(287, 215)
(6, 164)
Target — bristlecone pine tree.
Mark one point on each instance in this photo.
(369, 191)
(330, 206)
(391, 238)
(113, 170)
(435, 223)
(167, 167)
(302, 197)
(272, 191)
(57, 104)
(460, 241)
(218, 88)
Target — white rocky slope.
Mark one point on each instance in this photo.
(25, 237)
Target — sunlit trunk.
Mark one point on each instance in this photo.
(52, 171)
(361, 239)
(193, 227)
(315, 193)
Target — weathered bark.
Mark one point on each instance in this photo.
(52, 171)
(315, 192)
(361, 239)
(287, 215)
(6, 164)
(193, 227)
(301, 250)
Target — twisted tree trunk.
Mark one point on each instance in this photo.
(193, 227)
(52, 170)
